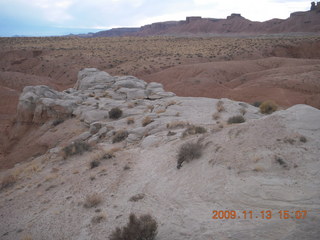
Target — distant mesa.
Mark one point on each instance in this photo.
(315, 6)
(298, 22)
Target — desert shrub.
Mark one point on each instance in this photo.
(236, 119)
(216, 116)
(268, 107)
(56, 122)
(130, 120)
(176, 124)
(256, 104)
(115, 113)
(77, 147)
(92, 200)
(8, 181)
(147, 120)
(99, 218)
(142, 228)
(188, 152)
(220, 107)
(119, 136)
(192, 129)
(137, 197)
(94, 164)
(303, 139)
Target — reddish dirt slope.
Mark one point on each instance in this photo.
(287, 81)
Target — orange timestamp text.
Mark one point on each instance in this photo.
(265, 214)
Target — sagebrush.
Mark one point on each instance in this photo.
(236, 119)
(142, 228)
(188, 152)
(115, 113)
(77, 147)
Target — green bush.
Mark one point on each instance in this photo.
(236, 119)
(268, 107)
(142, 228)
(115, 113)
(188, 152)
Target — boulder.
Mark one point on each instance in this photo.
(129, 82)
(90, 77)
(38, 103)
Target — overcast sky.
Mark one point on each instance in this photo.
(54, 17)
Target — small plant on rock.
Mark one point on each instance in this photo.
(8, 181)
(147, 120)
(236, 119)
(92, 200)
(142, 228)
(77, 147)
(115, 113)
(119, 136)
(189, 152)
(268, 107)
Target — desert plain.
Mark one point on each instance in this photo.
(265, 162)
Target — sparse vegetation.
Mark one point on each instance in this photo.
(94, 164)
(281, 162)
(98, 218)
(176, 124)
(130, 120)
(77, 147)
(268, 107)
(115, 113)
(220, 107)
(142, 228)
(216, 116)
(137, 197)
(188, 152)
(192, 129)
(303, 139)
(147, 120)
(56, 122)
(119, 136)
(92, 200)
(236, 119)
(8, 181)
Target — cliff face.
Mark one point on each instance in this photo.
(234, 24)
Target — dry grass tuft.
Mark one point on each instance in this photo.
(188, 152)
(119, 136)
(192, 129)
(77, 147)
(99, 218)
(220, 107)
(130, 120)
(236, 119)
(92, 200)
(142, 228)
(216, 116)
(177, 124)
(268, 107)
(8, 181)
(137, 197)
(147, 120)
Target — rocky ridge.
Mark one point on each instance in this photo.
(269, 162)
